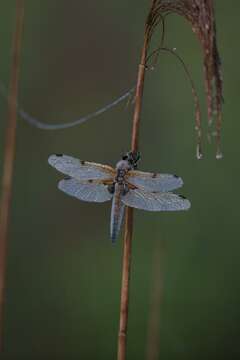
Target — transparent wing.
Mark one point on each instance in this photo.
(79, 169)
(154, 182)
(155, 201)
(92, 192)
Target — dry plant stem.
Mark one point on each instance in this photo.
(127, 250)
(122, 336)
(9, 154)
(138, 97)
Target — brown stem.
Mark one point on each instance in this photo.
(127, 249)
(139, 96)
(9, 152)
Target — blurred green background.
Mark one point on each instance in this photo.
(63, 274)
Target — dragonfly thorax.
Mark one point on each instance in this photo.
(123, 165)
(122, 168)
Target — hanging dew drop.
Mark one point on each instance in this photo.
(219, 155)
(199, 153)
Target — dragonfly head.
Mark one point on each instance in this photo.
(132, 158)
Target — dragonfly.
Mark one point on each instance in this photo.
(124, 185)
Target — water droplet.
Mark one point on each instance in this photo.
(199, 153)
(199, 156)
(219, 155)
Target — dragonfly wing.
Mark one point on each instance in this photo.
(154, 182)
(79, 169)
(85, 191)
(155, 201)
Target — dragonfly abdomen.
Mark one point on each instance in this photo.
(117, 212)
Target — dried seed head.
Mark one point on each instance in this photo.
(200, 14)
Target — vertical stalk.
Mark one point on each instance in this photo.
(9, 152)
(127, 251)
(127, 247)
(139, 96)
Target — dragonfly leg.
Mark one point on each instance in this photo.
(125, 188)
(111, 188)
